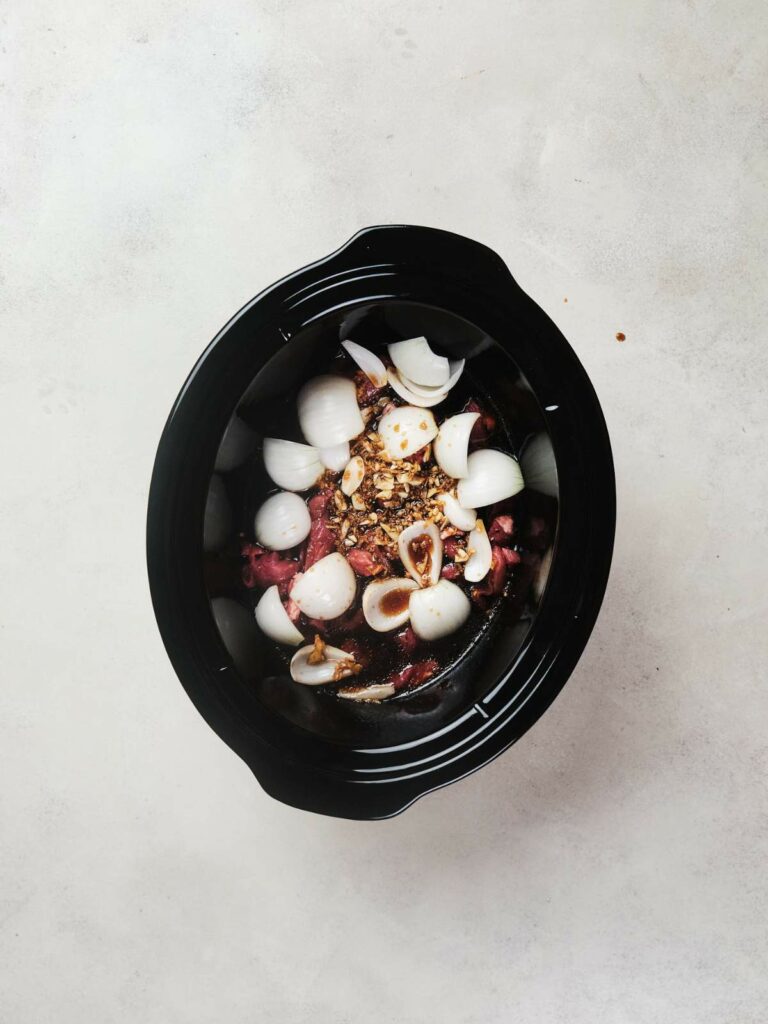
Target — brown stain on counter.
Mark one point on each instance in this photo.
(620, 336)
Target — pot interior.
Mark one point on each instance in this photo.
(484, 653)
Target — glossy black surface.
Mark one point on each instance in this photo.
(308, 748)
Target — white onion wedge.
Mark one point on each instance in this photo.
(480, 554)
(461, 518)
(385, 603)
(416, 361)
(328, 411)
(374, 692)
(295, 467)
(336, 664)
(438, 611)
(369, 363)
(421, 552)
(326, 589)
(539, 466)
(452, 444)
(404, 429)
(272, 619)
(353, 475)
(336, 457)
(282, 522)
(235, 446)
(493, 476)
(397, 385)
(456, 369)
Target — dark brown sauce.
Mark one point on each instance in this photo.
(395, 602)
(420, 550)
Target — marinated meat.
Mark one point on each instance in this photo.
(413, 675)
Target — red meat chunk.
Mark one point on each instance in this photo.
(414, 674)
(407, 640)
(367, 392)
(452, 544)
(364, 562)
(483, 427)
(321, 541)
(318, 503)
(368, 558)
(267, 568)
(501, 530)
(451, 571)
(511, 557)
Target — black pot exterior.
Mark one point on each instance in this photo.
(379, 778)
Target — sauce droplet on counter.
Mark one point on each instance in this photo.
(620, 336)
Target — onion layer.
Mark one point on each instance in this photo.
(385, 603)
(480, 554)
(282, 522)
(376, 692)
(458, 516)
(295, 467)
(272, 619)
(326, 589)
(415, 360)
(493, 476)
(328, 411)
(404, 429)
(421, 552)
(370, 364)
(452, 444)
(336, 457)
(438, 611)
(336, 664)
(456, 369)
(410, 396)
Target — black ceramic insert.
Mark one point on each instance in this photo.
(308, 748)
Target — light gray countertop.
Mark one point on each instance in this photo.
(163, 163)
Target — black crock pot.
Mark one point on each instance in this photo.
(311, 750)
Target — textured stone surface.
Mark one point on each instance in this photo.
(163, 162)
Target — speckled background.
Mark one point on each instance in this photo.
(162, 163)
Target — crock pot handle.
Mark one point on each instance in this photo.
(406, 245)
